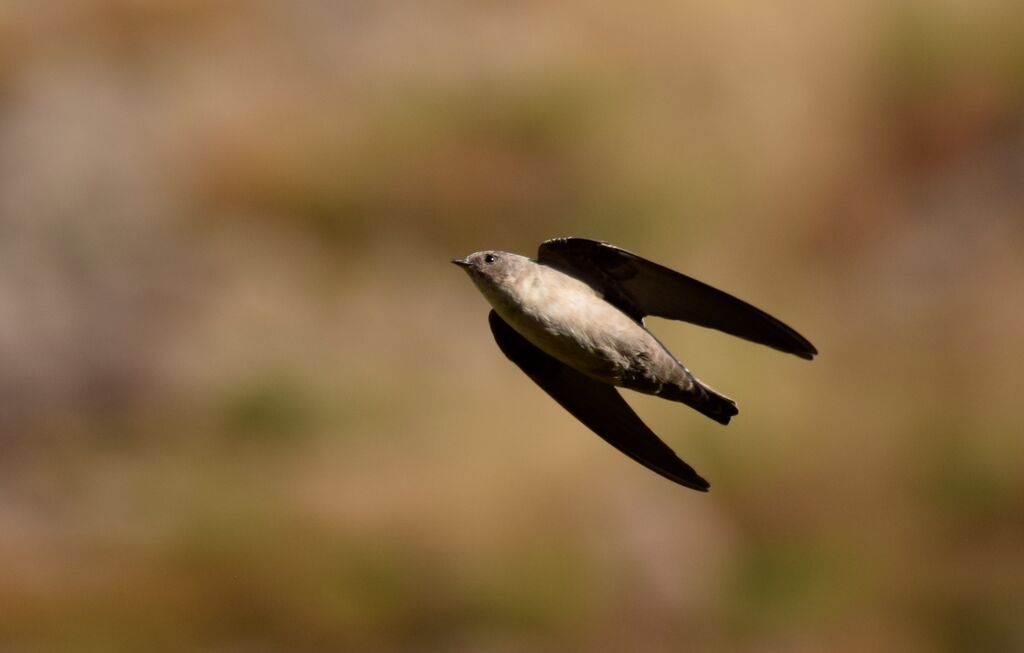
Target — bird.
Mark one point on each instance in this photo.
(573, 320)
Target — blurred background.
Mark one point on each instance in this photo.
(246, 404)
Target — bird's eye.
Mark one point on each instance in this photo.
(489, 258)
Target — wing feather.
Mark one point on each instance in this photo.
(640, 287)
(600, 407)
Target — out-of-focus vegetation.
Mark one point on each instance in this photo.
(247, 404)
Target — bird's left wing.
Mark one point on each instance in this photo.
(600, 407)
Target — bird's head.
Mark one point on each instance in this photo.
(492, 270)
(489, 264)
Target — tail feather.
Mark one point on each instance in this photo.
(704, 400)
(716, 406)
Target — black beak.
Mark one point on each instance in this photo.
(461, 262)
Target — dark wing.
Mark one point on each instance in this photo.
(640, 287)
(597, 405)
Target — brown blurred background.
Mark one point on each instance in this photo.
(246, 404)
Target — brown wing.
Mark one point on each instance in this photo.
(597, 405)
(640, 287)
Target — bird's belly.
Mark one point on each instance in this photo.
(593, 338)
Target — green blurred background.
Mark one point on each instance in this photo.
(246, 404)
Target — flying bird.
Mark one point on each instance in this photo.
(573, 320)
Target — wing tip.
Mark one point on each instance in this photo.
(696, 483)
(808, 352)
(682, 474)
(794, 343)
(687, 477)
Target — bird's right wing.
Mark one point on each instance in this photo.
(600, 407)
(639, 287)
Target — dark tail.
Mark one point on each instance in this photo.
(704, 400)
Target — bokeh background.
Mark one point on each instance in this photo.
(246, 404)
